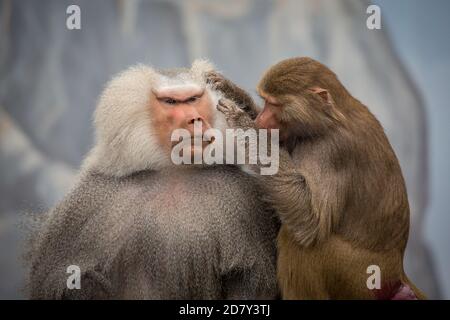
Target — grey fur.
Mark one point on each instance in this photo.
(202, 234)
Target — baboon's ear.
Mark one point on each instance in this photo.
(323, 94)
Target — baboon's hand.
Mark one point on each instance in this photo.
(229, 108)
(231, 91)
(219, 82)
(231, 111)
(234, 115)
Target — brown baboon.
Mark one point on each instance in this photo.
(339, 191)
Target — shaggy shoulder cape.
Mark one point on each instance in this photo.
(155, 235)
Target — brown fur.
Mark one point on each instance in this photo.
(339, 190)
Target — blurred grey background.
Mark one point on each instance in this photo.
(50, 78)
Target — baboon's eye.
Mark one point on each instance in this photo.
(191, 99)
(170, 101)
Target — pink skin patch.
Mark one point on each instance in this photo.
(395, 291)
(404, 293)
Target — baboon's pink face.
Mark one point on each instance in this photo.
(269, 117)
(180, 107)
